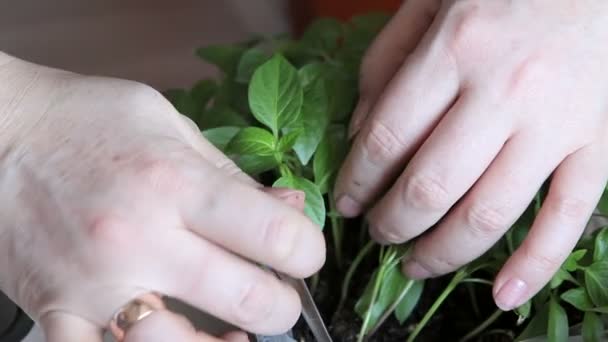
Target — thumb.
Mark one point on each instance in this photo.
(64, 327)
(388, 52)
(162, 326)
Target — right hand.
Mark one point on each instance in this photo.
(106, 192)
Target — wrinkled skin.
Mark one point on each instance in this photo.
(467, 107)
(107, 192)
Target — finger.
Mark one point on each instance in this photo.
(236, 336)
(388, 51)
(162, 326)
(223, 285)
(192, 134)
(251, 223)
(456, 154)
(488, 210)
(293, 198)
(410, 106)
(575, 190)
(64, 327)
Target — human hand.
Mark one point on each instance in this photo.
(483, 100)
(107, 192)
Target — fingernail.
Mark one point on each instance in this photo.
(359, 115)
(510, 295)
(415, 271)
(348, 206)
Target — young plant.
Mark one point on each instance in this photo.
(281, 111)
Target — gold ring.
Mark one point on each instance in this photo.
(133, 312)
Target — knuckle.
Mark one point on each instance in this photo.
(530, 70)
(542, 262)
(569, 207)
(468, 28)
(437, 265)
(382, 144)
(161, 175)
(279, 236)
(423, 191)
(109, 231)
(485, 221)
(254, 304)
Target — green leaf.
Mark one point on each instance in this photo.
(593, 328)
(560, 276)
(311, 72)
(225, 57)
(275, 94)
(315, 204)
(221, 136)
(557, 328)
(600, 252)
(392, 283)
(523, 312)
(596, 280)
(578, 298)
(323, 35)
(249, 62)
(537, 326)
(314, 120)
(234, 95)
(602, 206)
(219, 116)
(183, 102)
(571, 263)
(288, 140)
(203, 91)
(409, 302)
(329, 156)
(255, 165)
(253, 141)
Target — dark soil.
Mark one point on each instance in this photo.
(454, 319)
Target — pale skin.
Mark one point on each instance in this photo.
(467, 107)
(107, 192)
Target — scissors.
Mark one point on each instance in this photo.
(309, 312)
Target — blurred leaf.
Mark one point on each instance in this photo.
(288, 140)
(593, 328)
(183, 102)
(392, 284)
(409, 302)
(225, 57)
(557, 329)
(275, 94)
(315, 204)
(523, 312)
(254, 165)
(220, 116)
(578, 298)
(249, 62)
(537, 326)
(323, 35)
(600, 252)
(329, 156)
(221, 136)
(313, 121)
(596, 280)
(203, 91)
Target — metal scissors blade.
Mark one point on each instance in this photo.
(309, 309)
(309, 312)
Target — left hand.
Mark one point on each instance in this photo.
(483, 100)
